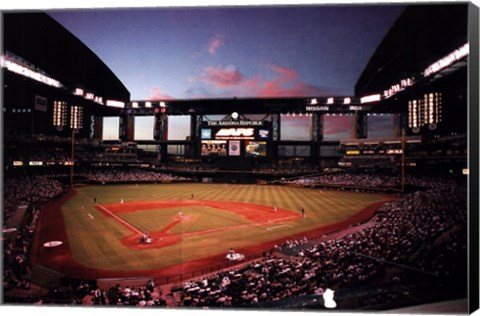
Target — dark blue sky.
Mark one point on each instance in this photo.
(216, 52)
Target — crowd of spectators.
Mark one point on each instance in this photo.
(88, 293)
(405, 228)
(16, 254)
(91, 294)
(416, 222)
(346, 179)
(129, 175)
(107, 175)
(30, 192)
(363, 180)
(143, 296)
(292, 168)
(270, 279)
(410, 232)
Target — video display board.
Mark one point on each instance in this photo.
(224, 140)
(255, 149)
(214, 148)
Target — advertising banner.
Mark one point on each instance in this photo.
(234, 148)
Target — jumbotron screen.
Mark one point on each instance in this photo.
(214, 148)
(255, 149)
(235, 141)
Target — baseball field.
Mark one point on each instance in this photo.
(191, 225)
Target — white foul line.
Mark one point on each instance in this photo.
(90, 216)
(120, 220)
(272, 228)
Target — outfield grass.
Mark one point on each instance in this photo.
(95, 238)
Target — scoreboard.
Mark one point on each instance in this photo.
(249, 139)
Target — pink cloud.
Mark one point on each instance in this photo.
(157, 94)
(215, 43)
(223, 77)
(287, 74)
(288, 83)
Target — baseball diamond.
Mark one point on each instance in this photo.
(218, 218)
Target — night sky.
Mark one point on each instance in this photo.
(240, 51)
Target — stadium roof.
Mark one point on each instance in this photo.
(41, 41)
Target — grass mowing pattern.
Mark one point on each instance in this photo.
(206, 218)
(197, 219)
(96, 242)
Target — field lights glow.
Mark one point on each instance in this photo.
(116, 104)
(370, 98)
(448, 60)
(26, 72)
(88, 95)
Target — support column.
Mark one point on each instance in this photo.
(399, 122)
(275, 127)
(317, 130)
(123, 126)
(361, 125)
(317, 135)
(162, 152)
(160, 131)
(275, 135)
(130, 132)
(193, 127)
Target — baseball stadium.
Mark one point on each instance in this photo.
(311, 202)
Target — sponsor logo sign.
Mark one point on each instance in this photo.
(235, 133)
